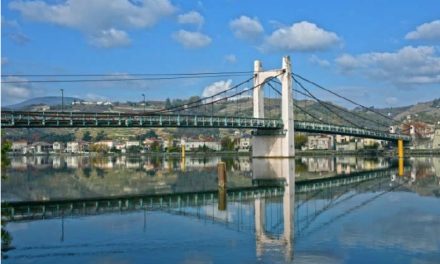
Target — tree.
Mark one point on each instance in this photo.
(87, 136)
(167, 103)
(99, 148)
(6, 147)
(300, 141)
(227, 143)
(101, 136)
(155, 146)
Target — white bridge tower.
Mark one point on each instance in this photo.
(278, 145)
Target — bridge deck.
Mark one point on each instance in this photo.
(11, 119)
(76, 119)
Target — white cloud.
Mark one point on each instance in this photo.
(191, 39)
(110, 38)
(215, 88)
(95, 97)
(97, 16)
(12, 30)
(231, 58)
(191, 17)
(409, 65)
(302, 36)
(316, 60)
(14, 92)
(391, 100)
(347, 62)
(246, 28)
(427, 31)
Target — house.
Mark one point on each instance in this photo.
(41, 147)
(58, 147)
(320, 142)
(196, 144)
(129, 144)
(120, 146)
(109, 143)
(72, 147)
(369, 143)
(172, 143)
(243, 143)
(436, 139)
(19, 147)
(152, 143)
(340, 139)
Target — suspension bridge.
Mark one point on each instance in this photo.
(273, 135)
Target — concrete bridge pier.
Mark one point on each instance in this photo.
(278, 144)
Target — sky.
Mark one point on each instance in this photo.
(379, 53)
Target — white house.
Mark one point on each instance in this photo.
(320, 142)
(72, 147)
(195, 144)
(41, 147)
(19, 147)
(58, 147)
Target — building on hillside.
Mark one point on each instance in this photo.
(174, 143)
(343, 139)
(205, 143)
(320, 142)
(436, 139)
(243, 143)
(41, 147)
(58, 147)
(153, 144)
(120, 146)
(109, 143)
(19, 147)
(369, 143)
(72, 147)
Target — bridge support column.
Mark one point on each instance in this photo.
(279, 145)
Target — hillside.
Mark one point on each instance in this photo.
(47, 100)
(428, 112)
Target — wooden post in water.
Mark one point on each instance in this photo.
(222, 180)
(222, 202)
(221, 174)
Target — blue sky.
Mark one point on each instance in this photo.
(381, 53)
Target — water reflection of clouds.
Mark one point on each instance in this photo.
(408, 228)
(306, 257)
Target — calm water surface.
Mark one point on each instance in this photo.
(165, 210)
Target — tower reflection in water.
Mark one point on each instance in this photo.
(272, 171)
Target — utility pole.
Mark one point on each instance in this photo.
(144, 102)
(62, 100)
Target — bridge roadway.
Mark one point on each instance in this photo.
(15, 119)
(31, 210)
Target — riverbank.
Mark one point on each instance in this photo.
(408, 152)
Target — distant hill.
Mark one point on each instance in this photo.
(47, 100)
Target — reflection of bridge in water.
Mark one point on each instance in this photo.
(280, 207)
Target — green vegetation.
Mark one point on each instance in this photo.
(87, 136)
(300, 141)
(227, 143)
(99, 148)
(101, 136)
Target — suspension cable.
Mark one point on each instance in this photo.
(300, 108)
(325, 106)
(343, 97)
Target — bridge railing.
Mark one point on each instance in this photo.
(344, 130)
(77, 119)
